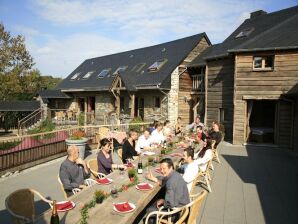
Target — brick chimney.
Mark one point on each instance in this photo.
(258, 13)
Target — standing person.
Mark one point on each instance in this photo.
(176, 192)
(178, 126)
(192, 169)
(73, 171)
(128, 148)
(157, 136)
(143, 141)
(104, 158)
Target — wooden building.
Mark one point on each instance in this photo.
(151, 83)
(251, 79)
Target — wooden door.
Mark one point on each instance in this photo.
(284, 123)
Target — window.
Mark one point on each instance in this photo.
(75, 76)
(157, 65)
(157, 102)
(103, 73)
(138, 67)
(119, 70)
(221, 115)
(263, 62)
(244, 33)
(87, 75)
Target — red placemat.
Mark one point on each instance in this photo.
(103, 181)
(123, 207)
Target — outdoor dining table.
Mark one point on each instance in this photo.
(104, 212)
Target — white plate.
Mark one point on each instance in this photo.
(62, 202)
(110, 181)
(151, 186)
(148, 153)
(131, 205)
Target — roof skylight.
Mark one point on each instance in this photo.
(245, 33)
(103, 73)
(119, 70)
(88, 74)
(157, 65)
(138, 67)
(75, 76)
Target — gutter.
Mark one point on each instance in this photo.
(264, 49)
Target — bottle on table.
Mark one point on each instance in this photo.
(54, 217)
(140, 166)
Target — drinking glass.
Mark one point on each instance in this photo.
(121, 170)
(114, 192)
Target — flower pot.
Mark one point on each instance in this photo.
(99, 200)
(80, 143)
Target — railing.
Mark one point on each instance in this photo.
(198, 83)
(17, 153)
(29, 120)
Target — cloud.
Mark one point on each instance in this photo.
(118, 25)
(27, 31)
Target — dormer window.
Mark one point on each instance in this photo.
(119, 70)
(103, 73)
(263, 63)
(156, 66)
(87, 75)
(245, 32)
(75, 76)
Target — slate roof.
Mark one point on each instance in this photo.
(175, 52)
(276, 30)
(19, 105)
(53, 94)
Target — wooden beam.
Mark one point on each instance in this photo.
(132, 104)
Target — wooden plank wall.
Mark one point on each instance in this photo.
(262, 85)
(285, 123)
(185, 85)
(220, 83)
(295, 122)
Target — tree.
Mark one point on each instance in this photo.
(15, 60)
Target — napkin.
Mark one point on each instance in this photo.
(64, 206)
(120, 207)
(103, 181)
(175, 154)
(157, 170)
(129, 165)
(144, 186)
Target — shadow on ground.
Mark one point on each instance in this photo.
(274, 172)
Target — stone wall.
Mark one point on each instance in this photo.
(172, 102)
(104, 104)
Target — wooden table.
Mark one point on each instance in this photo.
(104, 212)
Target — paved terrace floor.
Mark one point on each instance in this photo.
(251, 185)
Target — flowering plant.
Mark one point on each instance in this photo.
(78, 135)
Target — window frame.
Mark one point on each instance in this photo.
(90, 73)
(157, 68)
(75, 76)
(122, 68)
(221, 115)
(106, 69)
(263, 62)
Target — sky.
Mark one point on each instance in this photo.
(61, 34)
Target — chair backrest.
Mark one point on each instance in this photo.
(62, 187)
(20, 204)
(194, 182)
(213, 142)
(195, 208)
(183, 216)
(119, 152)
(93, 166)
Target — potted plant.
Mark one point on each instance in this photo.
(78, 138)
(99, 196)
(150, 160)
(163, 152)
(132, 173)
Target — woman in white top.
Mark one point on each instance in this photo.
(203, 157)
(157, 136)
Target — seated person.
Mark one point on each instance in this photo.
(176, 192)
(143, 141)
(178, 126)
(191, 169)
(167, 132)
(197, 122)
(203, 157)
(104, 158)
(73, 171)
(128, 148)
(152, 126)
(215, 133)
(157, 136)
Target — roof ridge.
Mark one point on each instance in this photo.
(265, 32)
(155, 45)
